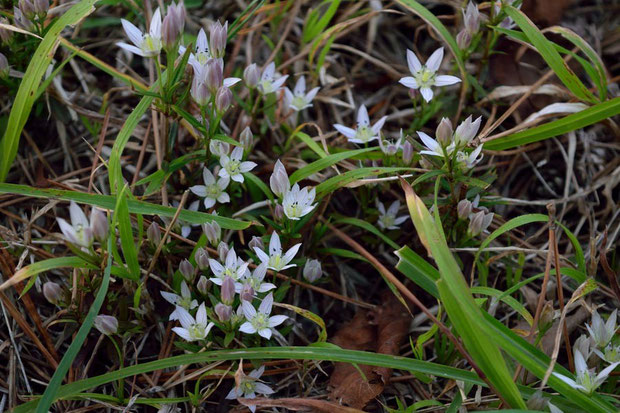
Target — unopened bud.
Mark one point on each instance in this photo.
(219, 148)
(228, 291)
(251, 76)
(223, 99)
(202, 258)
(546, 316)
(471, 18)
(153, 234)
(278, 212)
(278, 181)
(464, 208)
(199, 91)
(41, 7)
(222, 250)
(425, 163)
(479, 222)
(247, 292)
(256, 242)
(99, 224)
(407, 152)
(444, 132)
(178, 13)
(246, 138)
(202, 285)
(214, 75)
(312, 270)
(169, 32)
(4, 66)
(20, 19)
(27, 8)
(223, 312)
(537, 401)
(5, 35)
(463, 39)
(213, 232)
(187, 270)
(217, 39)
(106, 324)
(52, 292)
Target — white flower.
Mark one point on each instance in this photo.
(600, 331)
(233, 167)
(201, 52)
(298, 99)
(248, 386)
(259, 321)
(388, 219)
(298, 202)
(471, 159)
(212, 191)
(80, 231)
(193, 329)
(586, 380)
(391, 147)
(611, 355)
(275, 260)
(466, 131)
(233, 267)
(267, 83)
(433, 147)
(364, 132)
(183, 301)
(278, 181)
(146, 45)
(425, 76)
(255, 280)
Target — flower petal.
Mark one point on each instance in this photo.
(434, 61)
(413, 62)
(409, 82)
(446, 80)
(348, 132)
(427, 93)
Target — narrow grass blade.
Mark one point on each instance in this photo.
(323, 163)
(43, 266)
(26, 95)
(130, 253)
(368, 227)
(418, 270)
(135, 207)
(346, 178)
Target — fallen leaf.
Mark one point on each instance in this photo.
(381, 330)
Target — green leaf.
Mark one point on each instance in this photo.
(511, 302)
(323, 163)
(134, 206)
(550, 55)
(315, 24)
(368, 227)
(308, 141)
(126, 234)
(586, 117)
(50, 394)
(418, 270)
(341, 180)
(26, 94)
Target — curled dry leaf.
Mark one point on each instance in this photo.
(381, 330)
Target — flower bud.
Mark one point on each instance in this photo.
(546, 317)
(479, 222)
(213, 231)
(153, 233)
(20, 19)
(199, 91)
(4, 66)
(223, 312)
(463, 39)
(169, 32)
(471, 18)
(178, 13)
(27, 8)
(464, 208)
(223, 99)
(278, 212)
(99, 224)
(312, 270)
(52, 292)
(214, 75)
(537, 401)
(202, 285)
(407, 152)
(187, 270)
(222, 250)
(227, 292)
(202, 259)
(219, 148)
(256, 242)
(106, 324)
(5, 35)
(41, 7)
(246, 138)
(247, 292)
(217, 39)
(444, 132)
(251, 76)
(278, 181)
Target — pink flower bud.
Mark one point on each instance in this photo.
(217, 39)
(223, 312)
(153, 234)
(463, 39)
(251, 76)
(203, 285)
(407, 152)
(213, 232)
(187, 270)
(227, 292)
(444, 132)
(202, 258)
(479, 222)
(106, 324)
(464, 208)
(200, 92)
(222, 251)
(169, 32)
(312, 270)
(471, 18)
(99, 224)
(4, 66)
(223, 99)
(278, 181)
(246, 138)
(214, 75)
(5, 35)
(256, 242)
(27, 8)
(247, 292)
(178, 13)
(219, 148)
(41, 7)
(52, 292)
(278, 212)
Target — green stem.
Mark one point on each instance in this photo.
(121, 385)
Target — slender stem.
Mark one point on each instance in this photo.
(121, 385)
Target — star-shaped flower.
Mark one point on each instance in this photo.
(233, 167)
(212, 191)
(193, 329)
(364, 132)
(275, 260)
(388, 219)
(425, 76)
(267, 84)
(298, 202)
(146, 45)
(249, 385)
(233, 267)
(259, 321)
(298, 99)
(180, 301)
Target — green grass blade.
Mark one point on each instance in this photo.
(126, 234)
(323, 163)
(346, 178)
(135, 207)
(44, 266)
(550, 55)
(418, 270)
(26, 95)
(586, 117)
(368, 227)
(50, 394)
(308, 141)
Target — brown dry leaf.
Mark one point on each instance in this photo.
(299, 404)
(381, 330)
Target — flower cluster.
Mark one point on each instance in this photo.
(296, 202)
